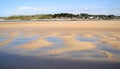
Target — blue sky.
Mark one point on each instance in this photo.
(28, 7)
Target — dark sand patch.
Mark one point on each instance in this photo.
(13, 61)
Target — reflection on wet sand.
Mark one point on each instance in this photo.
(7, 41)
(12, 36)
(15, 61)
(73, 45)
(81, 42)
(34, 44)
(111, 41)
(88, 35)
(60, 45)
(28, 35)
(107, 54)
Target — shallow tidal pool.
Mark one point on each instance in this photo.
(80, 46)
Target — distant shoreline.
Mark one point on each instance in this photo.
(64, 25)
(42, 20)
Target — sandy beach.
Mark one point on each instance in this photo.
(63, 25)
(65, 42)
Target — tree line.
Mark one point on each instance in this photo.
(61, 16)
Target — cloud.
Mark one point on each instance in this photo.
(43, 10)
(25, 8)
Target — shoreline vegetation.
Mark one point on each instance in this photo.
(59, 17)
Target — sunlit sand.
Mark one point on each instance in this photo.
(71, 25)
(73, 45)
(12, 36)
(112, 41)
(7, 41)
(40, 42)
(99, 40)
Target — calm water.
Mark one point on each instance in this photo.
(34, 50)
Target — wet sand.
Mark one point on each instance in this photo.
(110, 40)
(40, 42)
(60, 45)
(13, 61)
(12, 35)
(73, 45)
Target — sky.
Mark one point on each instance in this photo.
(31, 7)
